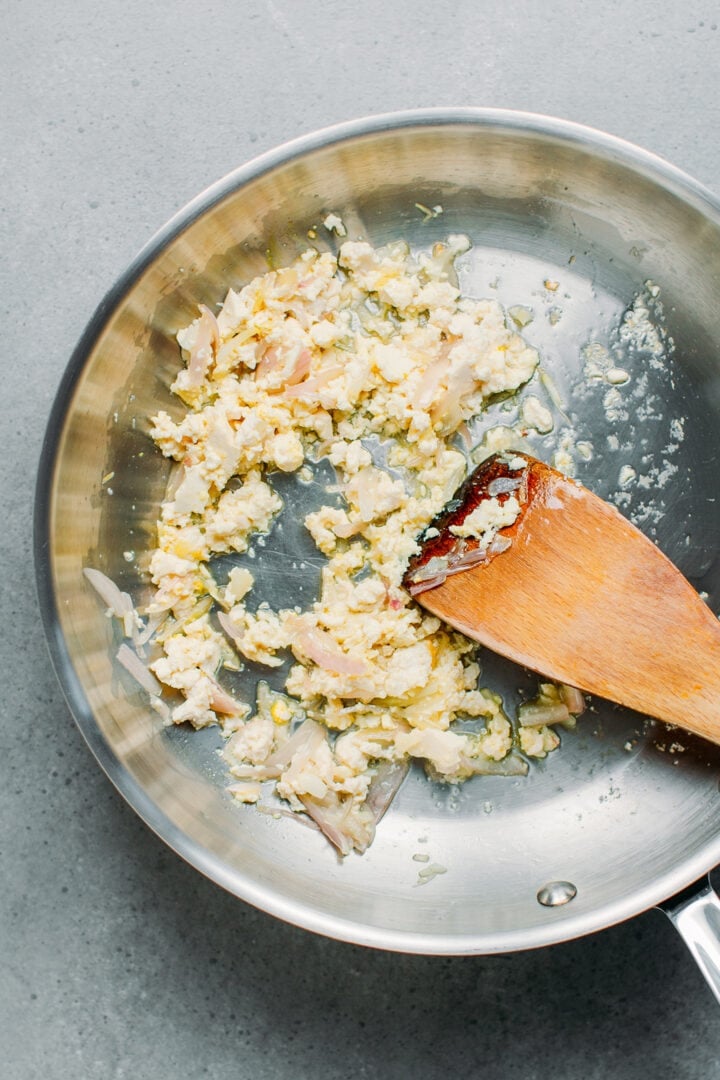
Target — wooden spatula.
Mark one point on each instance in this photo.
(575, 592)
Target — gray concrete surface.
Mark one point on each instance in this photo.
(118, 960)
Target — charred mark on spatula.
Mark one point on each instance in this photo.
(442, 553)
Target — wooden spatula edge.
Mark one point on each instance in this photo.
(582, 597)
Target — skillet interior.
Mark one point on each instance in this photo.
(540, 200)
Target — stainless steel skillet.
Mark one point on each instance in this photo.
(617, 255)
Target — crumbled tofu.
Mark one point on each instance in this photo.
(316, 359)
(239, 513)
(520, 315)
(240, 582)
(287, 452)
(247, 791)
(490, 515)
(538, 742)
(535, 415)
(252, 742)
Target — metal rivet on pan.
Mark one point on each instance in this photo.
(556, 893)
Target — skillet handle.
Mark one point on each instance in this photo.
(695, 914)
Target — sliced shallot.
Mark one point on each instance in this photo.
(306, 739)
(433, 375)
(268, 363)
(153, 624)
(464, 560)
(300, 368)
(313, 384)
(345, 825)
(572, 698)
(161, 708)
(207, 341)
(293, 815)
(222, 702)
(118, 602)
(447, 411)
(175, 479)
(430, 576)
(329, 821)
(321, 647)
(501, 485)
(134, 665)
(232, 630)
(415, 588)
(437, 569)
(540, 715)
(511, 765)
(384, 786)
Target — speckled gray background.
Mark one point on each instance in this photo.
(118, 960)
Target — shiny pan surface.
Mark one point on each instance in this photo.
(625, 813)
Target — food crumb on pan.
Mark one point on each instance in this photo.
(535, 415)
(428, 212)
(429, 872)
(334, 223)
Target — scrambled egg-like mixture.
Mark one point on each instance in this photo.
(305, 363)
